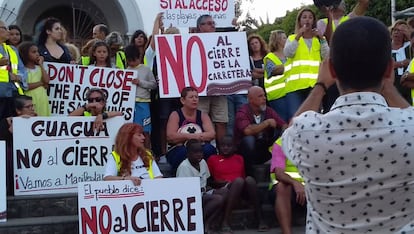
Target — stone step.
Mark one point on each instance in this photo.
(42, 205)
(40, 225)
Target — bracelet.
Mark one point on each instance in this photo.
(325, 89)
(104, 115)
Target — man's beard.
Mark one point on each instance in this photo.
(263, 107)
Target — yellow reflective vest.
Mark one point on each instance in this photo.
(274, 85)
(117, 158)
(341, 20)
(412, 90)
(120, 60)
(290, 169)
(14, 61)
(303, 67)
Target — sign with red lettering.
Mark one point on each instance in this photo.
(59, 152)
(184, 13)
(213, 63)
(69, 84)
(3, 198)
(156, 206)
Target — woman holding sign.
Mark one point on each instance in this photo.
(131, 160)
(95, 107)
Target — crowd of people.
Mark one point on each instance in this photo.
(330, 95)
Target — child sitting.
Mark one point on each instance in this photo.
(195, 166)
(227, 169)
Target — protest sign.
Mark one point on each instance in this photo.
(184, 13)
(3, 198)
(52, 155)
(156, 206)
(69, 84)
(213, 63)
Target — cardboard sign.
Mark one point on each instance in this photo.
(3, 195)
(184, 13)
(156, 206)
(52, 155)
(69, 84)
(213, 63)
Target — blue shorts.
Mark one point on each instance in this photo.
(142, 115)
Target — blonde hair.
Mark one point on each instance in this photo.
(74, 51)
(274, 39)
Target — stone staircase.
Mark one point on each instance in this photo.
(59, 213)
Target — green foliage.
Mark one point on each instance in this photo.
(380, 9)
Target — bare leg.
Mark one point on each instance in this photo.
(212, 204)
(251, 189)
(283, 207)
(220, 131)
(235, 189)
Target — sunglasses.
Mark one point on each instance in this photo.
(97, 99)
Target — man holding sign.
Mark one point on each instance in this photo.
(215, 106)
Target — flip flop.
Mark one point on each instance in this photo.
(263, 228)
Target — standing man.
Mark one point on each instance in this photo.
(256, 128)
(100, 31)
(357, 159)
(13, 76)
(215, 106)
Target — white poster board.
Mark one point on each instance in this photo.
(168, 205)
(52, 155)
(184, 13)
(213, 63)
(69, 84)
(3, 195)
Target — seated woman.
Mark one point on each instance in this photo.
(188, 123)
(24, 107)
(130, 159)
(95, 107)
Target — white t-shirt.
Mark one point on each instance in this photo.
(185, 169)
(137, 168)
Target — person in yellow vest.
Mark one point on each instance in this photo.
(13, 76)
(130, 159)
(96, 99)
(115, 42)
(288, 187)
(304, 51)
(407, 80)
(274, 79)
(336, 15)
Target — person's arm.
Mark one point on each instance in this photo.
(290, 48)
(79, 111)
(390, 92)
(158, 26)
(360, 8)
(173, 136)
(253, 129)
(21, 71)
(149, 81)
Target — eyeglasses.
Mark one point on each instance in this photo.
(97, 99)
(209, 23)
(30, 106)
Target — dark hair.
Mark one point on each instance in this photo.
(360, 60)
(186, 90)
(103, 28)
(103, 93)
(24, 48)
(20, 100)
(136, 34)
(47, 25)
(201, 20)
(13, 26)
(93, 49)
(194, 146)
(131, 53)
